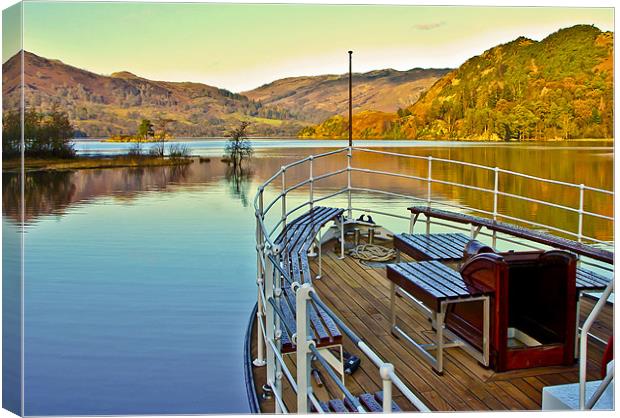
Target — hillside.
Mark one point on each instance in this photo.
(319, 97)
(110, 105)
(100, 105)
(557, 88)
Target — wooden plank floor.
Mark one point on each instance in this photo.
(360, 296)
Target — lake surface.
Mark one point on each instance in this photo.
(139, 283)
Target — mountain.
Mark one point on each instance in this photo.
(100, 105)
(557, 88)
(319, 97)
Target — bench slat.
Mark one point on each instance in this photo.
(287, 344)
(430, 278)
(300, 220)
(454, 243)
(379, 398)
(336, 405)
(591, 280)
(317, 331)
(418, 289)
(442, 274)
(329, 324)
(447, 246)
(425, 246)
(369, 403)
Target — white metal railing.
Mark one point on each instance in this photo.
(585, 403)
(270, 273)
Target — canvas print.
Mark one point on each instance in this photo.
(219, 208)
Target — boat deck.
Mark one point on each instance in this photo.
(359, 294)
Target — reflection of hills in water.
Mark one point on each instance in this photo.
(53, 192)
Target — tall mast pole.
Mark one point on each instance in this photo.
(350, 99)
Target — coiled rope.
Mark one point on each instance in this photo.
(372, 252)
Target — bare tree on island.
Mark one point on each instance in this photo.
(239, 147)
(161, 124)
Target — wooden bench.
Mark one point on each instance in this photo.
(295, 241)
(422, 247)
(449, 247)
(433, 287)
(371, 402)
(516, 231)
(299, 235)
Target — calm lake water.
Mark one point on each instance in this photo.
(139, 282)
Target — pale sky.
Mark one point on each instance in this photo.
(241, 46)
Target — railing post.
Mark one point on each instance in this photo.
(385, 371)
(283, 198)
(311, 182)
(580, 226)
(270, 320)
(495, 208)
(349, 206)
(278, 332)
(320, 256)
(259, 361)
(429, 183)
(304, 355)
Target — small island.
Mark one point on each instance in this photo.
(48, 145)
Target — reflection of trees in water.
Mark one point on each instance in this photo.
(238, 176)
(48, 192)
(44, 192)
(143, 178)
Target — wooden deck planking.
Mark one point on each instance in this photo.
(360, 296)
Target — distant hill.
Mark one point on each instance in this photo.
(100, 105)
(319, 97)
(558, 88)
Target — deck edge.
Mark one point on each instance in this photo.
(248, 370)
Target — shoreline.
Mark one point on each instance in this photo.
(262, 138)
(82, 162)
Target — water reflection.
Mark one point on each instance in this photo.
(238, 177)
(52, 192)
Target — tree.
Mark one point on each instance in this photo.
(11, 133)
(524, 122)
(45, 134)
(162, 126)
(403, 113)
(145, 129)
(238, 147)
